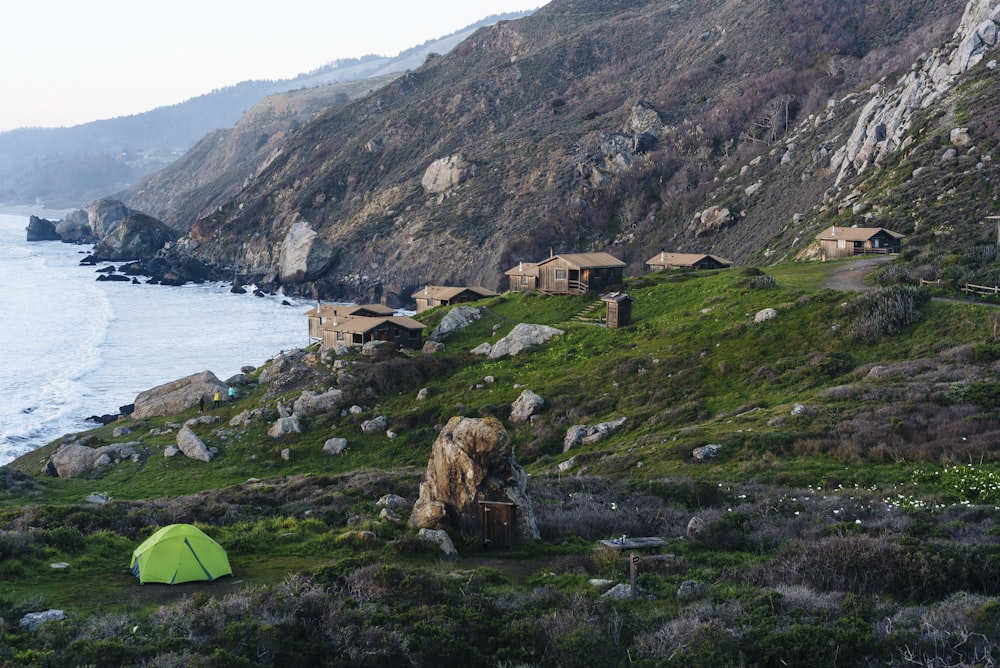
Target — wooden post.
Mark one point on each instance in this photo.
(634, 571)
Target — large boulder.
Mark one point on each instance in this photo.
(177, 396)
(446, 174)
(472, 460)
(304, 255)
(74, 460)
(522, 337)
(455, 320)
(137, 237)
(525, 406)
(311, 403)
(285, 427)
(41, 229)
(192, 446)
(75, 228)
(581, 434)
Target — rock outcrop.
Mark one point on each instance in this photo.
(522, 337)
(74, 460)
(582, 434)
(177, 396)
(41, 229)
(455, 320)
(312, 403)
(887, 117)
(446, 174)
(137, 237)
(472, 460)
(304, 255)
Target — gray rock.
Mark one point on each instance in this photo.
(376, 425)
(455, 320)
(33, 620)
(430, 347)
(445, 174)
(73, 460)
(98, 498)
(285, 426)
(765, 314)
(304, 255)
(691, 589)
(335, 446)
(959, 137)
(482, 349)
(311, 403)
(192, 446)
(706, 453)
(526, 405)
(390, 516)
(240, 419)
(138, 237)
(443, 540)
(73, 231)
(286, 454)
(171, 451)
(422, 394)
(41, 229)
(622, 592)
(584, 434)
(177, 396)
(522, 337)
(248, 369)
(121, 431)
(566, 465)
(392, 501)
(355, 410)
(696, 526)
(378, 350)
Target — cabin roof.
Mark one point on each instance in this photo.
(446, 292)
(586, 260)
(359, 324)
(855, 233)
(683, 259)
(330, 310)
(617, 297)
(523, 269)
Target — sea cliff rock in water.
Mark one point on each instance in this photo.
(138, 237)
(41, 229)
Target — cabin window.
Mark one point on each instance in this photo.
(340, 336)
(841, 243)
(560, 274)
(524, 280)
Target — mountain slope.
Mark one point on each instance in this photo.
(585, 125)
(65, 167)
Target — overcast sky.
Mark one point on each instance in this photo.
(66, 62)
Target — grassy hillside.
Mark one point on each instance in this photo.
(849, 519)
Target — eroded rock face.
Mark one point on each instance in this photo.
(472, 460)
(41, 229)
(304, 255)
(178, 395)
(137, 237)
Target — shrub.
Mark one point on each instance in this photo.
(880, 313)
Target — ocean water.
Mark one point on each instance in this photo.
(72, 347)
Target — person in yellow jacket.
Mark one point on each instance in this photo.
(216, 400)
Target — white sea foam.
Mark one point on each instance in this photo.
(72, 347)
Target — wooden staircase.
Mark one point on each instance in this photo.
(591, 313)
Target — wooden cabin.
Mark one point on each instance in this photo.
(850, 241)
(436, 295)
(575, 273)
(357, 330)
(618, 312)
(523, 277)
(664, 260)
(324, 312)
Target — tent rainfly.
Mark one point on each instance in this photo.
(179, 553)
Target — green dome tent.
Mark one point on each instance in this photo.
(179, 553)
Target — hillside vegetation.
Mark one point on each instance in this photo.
(849, 519)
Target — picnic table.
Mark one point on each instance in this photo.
(650, 544)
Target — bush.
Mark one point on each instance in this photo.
(880, 313)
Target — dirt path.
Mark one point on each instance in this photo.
(852, 275)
